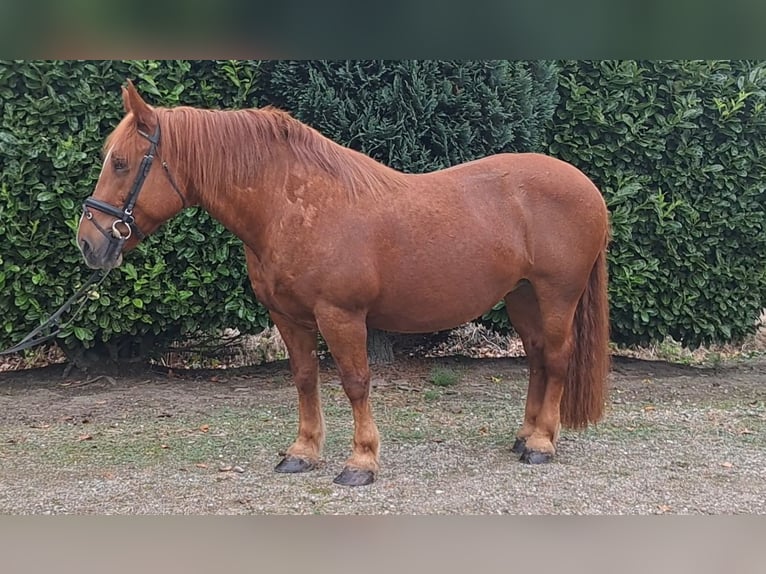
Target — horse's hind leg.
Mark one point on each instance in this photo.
(301, 344)
(346, 336)
(524, 313)
(544, 318)
(557, 312)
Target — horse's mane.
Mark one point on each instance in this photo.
(222, 149)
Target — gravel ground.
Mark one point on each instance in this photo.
(677, 440)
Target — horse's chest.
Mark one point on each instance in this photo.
(277, 291)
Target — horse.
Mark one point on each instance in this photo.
(336, 243)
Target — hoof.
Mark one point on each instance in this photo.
(535, 457)
(292, 464)
(519, 446)
(355, 477)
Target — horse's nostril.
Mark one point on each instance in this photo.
(84, 246)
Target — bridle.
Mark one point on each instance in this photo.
(124, 216)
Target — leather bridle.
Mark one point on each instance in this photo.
(125, 216)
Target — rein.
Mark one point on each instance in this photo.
(38, 335)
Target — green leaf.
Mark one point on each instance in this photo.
(45, 196)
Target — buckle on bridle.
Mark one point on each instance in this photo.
(128, 225)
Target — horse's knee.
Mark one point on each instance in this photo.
(306, 377)
(356, 386)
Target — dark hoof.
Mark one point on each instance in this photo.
(535, 457)
(355, 477)
(294, 464)
(519, 446)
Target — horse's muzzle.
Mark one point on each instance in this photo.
(106, 255)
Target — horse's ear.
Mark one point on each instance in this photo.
(144, 115)
(125, 99)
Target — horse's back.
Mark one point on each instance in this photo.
(549, 195)
(528, 173)
(538, 194)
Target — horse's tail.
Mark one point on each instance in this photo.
(585, 390)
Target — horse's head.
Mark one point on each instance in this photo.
(135, 192)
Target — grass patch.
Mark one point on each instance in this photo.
(227, 434)
(444, 377)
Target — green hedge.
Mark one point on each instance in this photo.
(419, 116)
(678, 149)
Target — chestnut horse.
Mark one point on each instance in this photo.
(336, 242)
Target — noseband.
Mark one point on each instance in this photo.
(125, 217)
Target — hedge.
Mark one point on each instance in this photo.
(677, 149)
(419, 116)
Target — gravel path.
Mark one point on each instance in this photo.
(677, 440)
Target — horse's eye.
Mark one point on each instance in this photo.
(119, 163)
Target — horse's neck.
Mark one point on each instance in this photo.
(250, 209)
(243, 211)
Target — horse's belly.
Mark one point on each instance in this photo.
(435, 310)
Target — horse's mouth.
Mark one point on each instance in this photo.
(103, 258)
(106, 265)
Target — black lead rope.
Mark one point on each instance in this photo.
(39, 335)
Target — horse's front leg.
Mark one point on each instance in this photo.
(301, 344)
(346, 336)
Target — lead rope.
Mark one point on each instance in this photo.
(36, 336)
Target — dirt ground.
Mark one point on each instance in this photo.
(677, 440)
